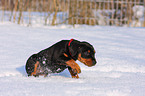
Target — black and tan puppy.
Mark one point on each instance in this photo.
(60, 56)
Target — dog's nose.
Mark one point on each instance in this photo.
(94, 62)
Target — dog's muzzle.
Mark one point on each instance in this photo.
(94, 62)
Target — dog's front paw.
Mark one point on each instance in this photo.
(75, 67)
(76, 76)
(73, 74)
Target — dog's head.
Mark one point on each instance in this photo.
(83, 51)
(87, 54)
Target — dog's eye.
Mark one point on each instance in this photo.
(86, 53)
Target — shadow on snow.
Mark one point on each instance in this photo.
(65, 73)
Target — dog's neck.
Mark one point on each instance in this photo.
(73, 48)
(69, 46)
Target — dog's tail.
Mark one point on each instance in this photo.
(30, 64)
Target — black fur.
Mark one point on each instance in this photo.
(53, 60)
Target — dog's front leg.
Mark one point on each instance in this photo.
(76, 68)
(73, 67)
(73, 74)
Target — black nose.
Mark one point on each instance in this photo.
(94, 62)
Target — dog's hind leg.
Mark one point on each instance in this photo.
(41, 71)
(33, 67)
(36, 70)
(30, 64)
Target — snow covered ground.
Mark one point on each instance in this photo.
(120, 53)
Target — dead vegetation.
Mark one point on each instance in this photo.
(90, 12)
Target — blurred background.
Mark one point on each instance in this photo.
(130, 13)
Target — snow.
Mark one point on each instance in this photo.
(138, 15)
(138, 11)
(120, 53)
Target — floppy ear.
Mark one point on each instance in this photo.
(74, 49)
(87, 44)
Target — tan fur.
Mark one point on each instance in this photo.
(73, 74)
(87, 62)
(35, 68)
(74, 66)
(65, 55)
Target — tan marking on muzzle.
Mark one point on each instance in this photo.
(87, 62)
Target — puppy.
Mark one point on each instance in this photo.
(60, 56)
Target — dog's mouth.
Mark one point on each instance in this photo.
(88, 62)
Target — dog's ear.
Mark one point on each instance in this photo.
(87, 44)
(74, 48)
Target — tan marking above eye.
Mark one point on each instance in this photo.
(89, 51)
